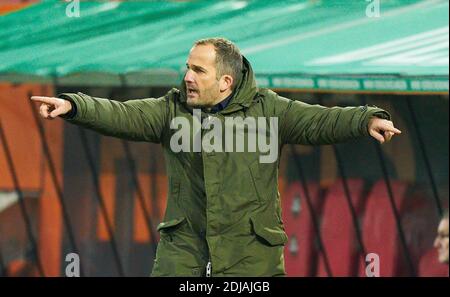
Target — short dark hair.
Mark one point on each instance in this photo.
(228, 57)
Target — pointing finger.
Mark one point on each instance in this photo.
(48, 100)
(389, 126)
(393, 130)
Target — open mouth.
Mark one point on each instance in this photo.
(192, 91)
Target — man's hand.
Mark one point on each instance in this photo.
(382, 130)
(52, 107)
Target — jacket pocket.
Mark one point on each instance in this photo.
(168, 227)
(268, 228)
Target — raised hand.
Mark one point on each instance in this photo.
(51, 107)
(382, 130)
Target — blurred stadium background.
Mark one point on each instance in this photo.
(63, 189)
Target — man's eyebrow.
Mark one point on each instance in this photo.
(196, 67)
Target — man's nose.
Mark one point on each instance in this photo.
(436, 243)
(189, 77)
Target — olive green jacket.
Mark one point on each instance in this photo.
(223, 206)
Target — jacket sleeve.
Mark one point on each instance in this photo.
(138, 120)
(302, 123)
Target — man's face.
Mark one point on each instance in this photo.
(441, 241)
(202, 86)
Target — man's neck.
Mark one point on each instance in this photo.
(221, 104)
(223, 97)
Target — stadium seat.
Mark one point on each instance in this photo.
(379, 229)
(300, 252)
(338, 231)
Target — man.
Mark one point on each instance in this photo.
(441, 241)
(223, 214)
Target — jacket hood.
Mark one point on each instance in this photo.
(243, 95)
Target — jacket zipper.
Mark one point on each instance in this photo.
(209, 264)
(208, 269)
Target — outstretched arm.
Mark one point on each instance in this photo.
(139, 120)
(302, 123)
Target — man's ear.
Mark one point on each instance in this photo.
(226, 81)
